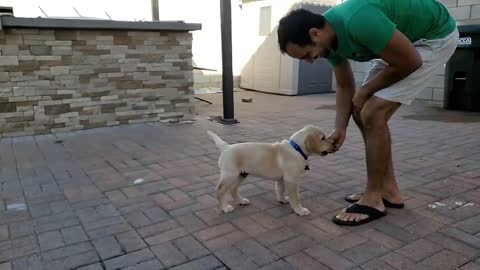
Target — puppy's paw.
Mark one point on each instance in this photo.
(283, 201)
(302, 211)
(244, 201)
(227, 208)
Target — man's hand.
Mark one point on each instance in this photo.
(338, 137)
(359, 100)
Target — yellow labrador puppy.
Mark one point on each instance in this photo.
(284, 161)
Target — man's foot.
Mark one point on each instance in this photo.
(390, 201)
(360, 213)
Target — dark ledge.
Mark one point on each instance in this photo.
(94, 24)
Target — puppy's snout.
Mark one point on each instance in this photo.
(331, 147)
(324, 153)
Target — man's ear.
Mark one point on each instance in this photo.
(314, 33)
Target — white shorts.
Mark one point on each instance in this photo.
(435, 53)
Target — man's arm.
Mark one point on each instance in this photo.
(402, 58)
(345, 91)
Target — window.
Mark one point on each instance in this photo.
(265, 21)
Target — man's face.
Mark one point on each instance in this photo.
(310, 52)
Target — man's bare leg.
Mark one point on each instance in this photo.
(374, 117)
(390, 192)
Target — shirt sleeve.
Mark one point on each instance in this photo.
(371, 28)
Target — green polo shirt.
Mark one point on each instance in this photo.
(364, 27)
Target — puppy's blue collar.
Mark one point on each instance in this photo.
(298, 149)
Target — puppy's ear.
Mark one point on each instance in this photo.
(312, 143)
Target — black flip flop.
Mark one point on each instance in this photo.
(385, 202)
(355, 208)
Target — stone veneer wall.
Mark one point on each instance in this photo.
(63, 80)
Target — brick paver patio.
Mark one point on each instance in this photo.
(141, 196)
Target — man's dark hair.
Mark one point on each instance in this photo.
(295, 26)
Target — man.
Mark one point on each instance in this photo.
(409, 41)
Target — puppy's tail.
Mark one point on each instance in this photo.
(221, 144)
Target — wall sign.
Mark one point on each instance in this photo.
(465, 41)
